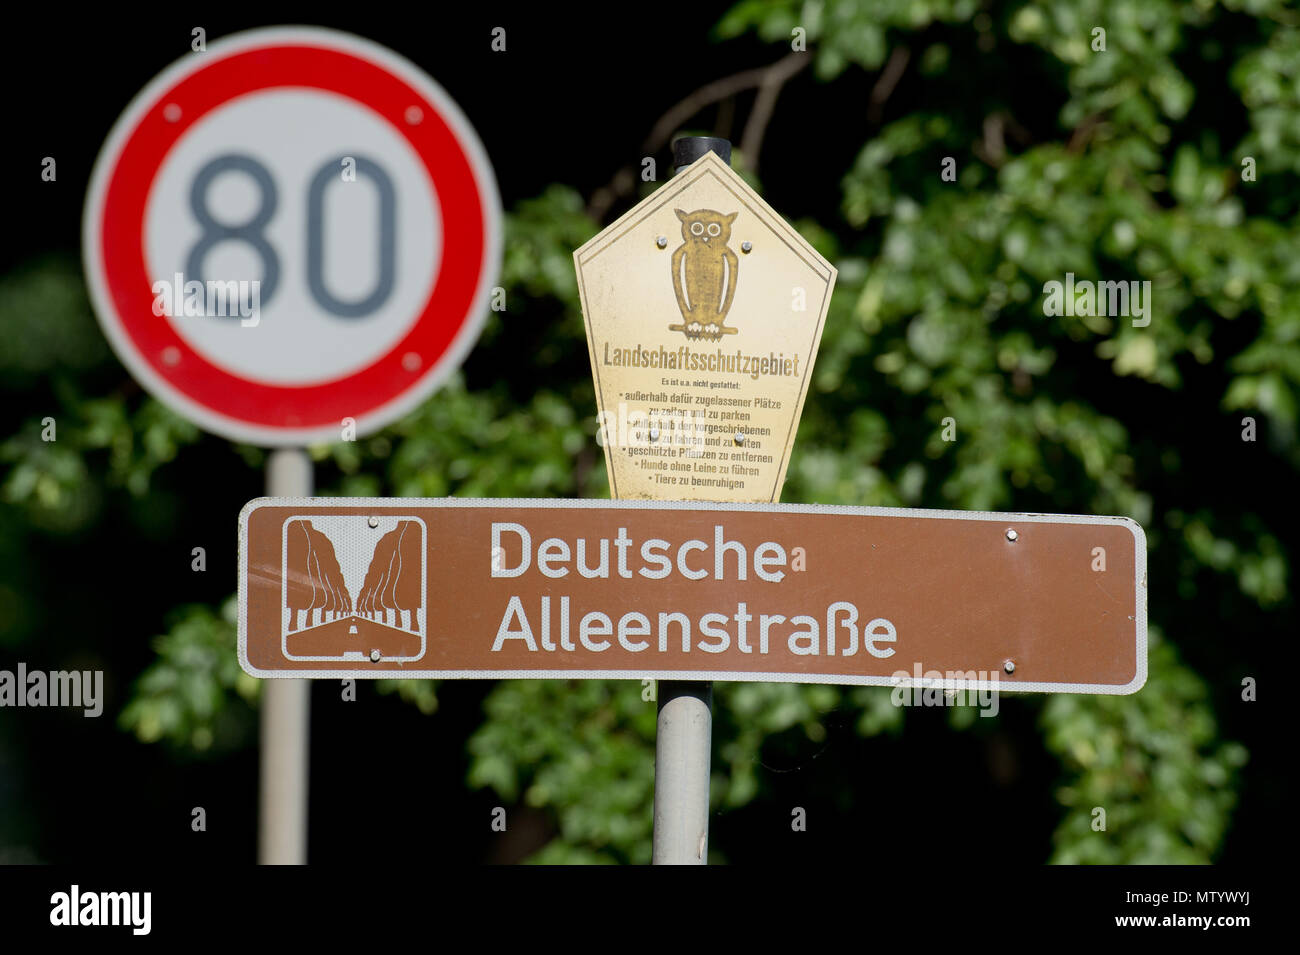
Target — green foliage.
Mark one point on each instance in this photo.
(194, 696)
(471, 444)
(102, 443)
(844, 32)
(1267, 79)
(938, 314)
(749, 713)
(422, 693)
(43, 305)
(1153, 762)
(584, 748)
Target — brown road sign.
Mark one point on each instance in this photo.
(704, 310)
(447, 588)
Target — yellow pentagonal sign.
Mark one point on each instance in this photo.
(704, 310)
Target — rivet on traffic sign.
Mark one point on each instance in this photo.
(374, 522)
(662, 242)
(747, 247)
(374, 656)
(1012, 535)
(1009, 666)
(740, 438)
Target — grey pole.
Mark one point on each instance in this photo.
(682, 743)
(685, 731)
(286, 707)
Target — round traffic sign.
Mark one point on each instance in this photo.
(295, 228)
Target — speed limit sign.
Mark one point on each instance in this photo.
(292, 232)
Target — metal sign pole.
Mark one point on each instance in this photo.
(684, 735)
(682, 743)
(286, 710)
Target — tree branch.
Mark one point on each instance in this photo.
(992, 148)
(1083, 132)
(889, 77)
(751, 142)
(624, 181)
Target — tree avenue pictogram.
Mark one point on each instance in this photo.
(323, 620)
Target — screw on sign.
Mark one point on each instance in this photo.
(291, 229)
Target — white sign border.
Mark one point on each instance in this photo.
(729, 676)
(124, 347)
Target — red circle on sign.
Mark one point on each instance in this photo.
(238, 406)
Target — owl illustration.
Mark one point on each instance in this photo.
(704, 274)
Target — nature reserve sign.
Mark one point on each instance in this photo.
(704, 310)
